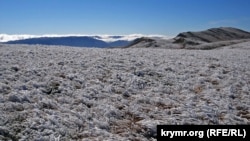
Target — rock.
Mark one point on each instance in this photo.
(61, 63)
(15, 68)
(14, 98)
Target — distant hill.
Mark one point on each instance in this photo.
(142, 42)
(76, 41)
(216, 34)
(207, 39)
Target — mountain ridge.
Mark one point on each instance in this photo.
(76, 41)
(66, 41)
(216, 34)
(99, 41)
(207, 39)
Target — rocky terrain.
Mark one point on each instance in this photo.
(64, 93)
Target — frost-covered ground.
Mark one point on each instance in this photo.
(49, 93)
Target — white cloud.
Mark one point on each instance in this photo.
(106, 38)
(6, 37)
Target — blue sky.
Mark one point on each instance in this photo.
(120, 17)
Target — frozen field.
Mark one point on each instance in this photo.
(49, 93)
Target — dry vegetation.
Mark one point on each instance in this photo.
(49, 93)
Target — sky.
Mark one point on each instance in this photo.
(120, 17)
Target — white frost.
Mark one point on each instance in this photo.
(52, 93)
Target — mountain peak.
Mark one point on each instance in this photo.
(215, 34)
(207, 39)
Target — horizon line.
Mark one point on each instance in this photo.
(104, 37)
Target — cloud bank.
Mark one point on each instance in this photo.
(106, 38)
